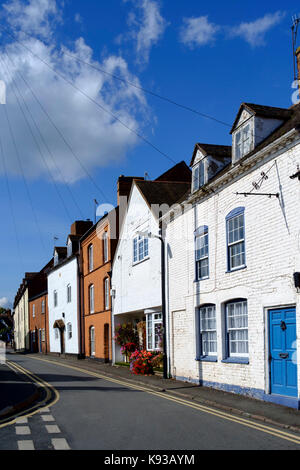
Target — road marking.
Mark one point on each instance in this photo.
(47, 418)
(23, 430)
(44, 410)
(36, 408)
(206, 409)
(22, 421)
(60, 444)
(53, 429)
(25, 445)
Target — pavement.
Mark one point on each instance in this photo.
(269, 413)
(17, 393)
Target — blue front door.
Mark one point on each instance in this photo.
(283, 352)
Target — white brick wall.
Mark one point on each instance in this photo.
(272, 228)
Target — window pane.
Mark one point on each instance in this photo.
(237, 327)
(196, 178)
(135, 250)
(208, 330)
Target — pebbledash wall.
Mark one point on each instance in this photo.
(272, 239)
(58, 279)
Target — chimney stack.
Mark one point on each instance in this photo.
(124, 185)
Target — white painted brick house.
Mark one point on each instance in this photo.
(232, 263)
(136, 270)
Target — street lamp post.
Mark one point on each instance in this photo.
(163, 295)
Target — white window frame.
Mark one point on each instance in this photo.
(105, 247)
(43, 306)
(235, 243)
(208, 328)
(33, 311)
(140, 249)
(92, 298)
(106, 293)
(198, 178)
(201, 259)
(55, 298)
(69, 330)
(243, 140)
(69, 248)
(230, 330)
(92, 341)
(91, 257)
(152, 319)
(43, 335)
(69, 293)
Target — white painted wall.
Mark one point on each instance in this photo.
(21, 323)
(58, 279)
(137, 287)
(272, 230)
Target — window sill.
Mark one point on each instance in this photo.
(202, 279)
(236, 360)
(236, 269)
(141, 261)
(207, 359)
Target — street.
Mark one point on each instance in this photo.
(92, 413)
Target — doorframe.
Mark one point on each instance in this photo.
(267, 345)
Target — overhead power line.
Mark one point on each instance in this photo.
(42, 156)
(134, 85)
(46, 145)
(92, 100)
(12, 212)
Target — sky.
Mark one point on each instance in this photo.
(69, 128)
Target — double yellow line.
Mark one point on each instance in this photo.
(203, 408)
(52, 395)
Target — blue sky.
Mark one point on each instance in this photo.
(210, 56)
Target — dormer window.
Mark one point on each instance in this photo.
(198, 176)
(243, 141)
(55, 258)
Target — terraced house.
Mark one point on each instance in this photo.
(234, 261)
(38, 312)
(64, 295)
(97, 251)
(137, 268)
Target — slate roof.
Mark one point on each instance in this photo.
(269, 112)
(218, 151)
(163, 192)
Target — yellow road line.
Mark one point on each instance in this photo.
(206, 409)
(36, 408)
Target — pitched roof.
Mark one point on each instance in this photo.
(163, 192)
(269, 112)
(61, 250)
(179, 172)
(217, 151)
(292, 123)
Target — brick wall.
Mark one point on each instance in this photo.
(272, 228)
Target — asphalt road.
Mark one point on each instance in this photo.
(93, 413)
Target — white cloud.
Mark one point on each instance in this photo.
(254, 32)
(97, 138)
(33, 17)
(198, 31)
(4, 302)
(147, 27)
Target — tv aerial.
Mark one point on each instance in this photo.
(295, 26)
